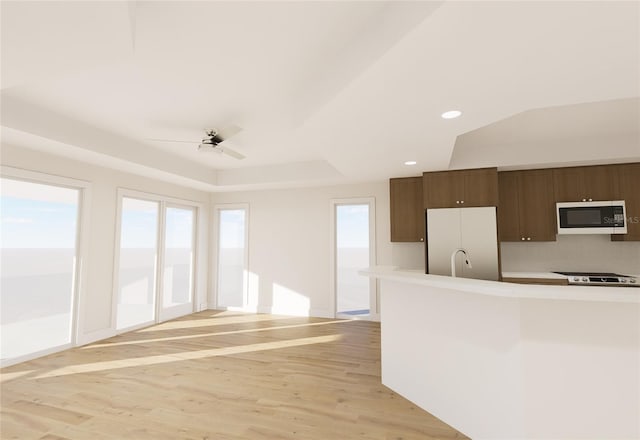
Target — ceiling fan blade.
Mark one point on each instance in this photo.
(229, 130)
(230, 152)
(170, 140)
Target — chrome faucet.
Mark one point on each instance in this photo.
(467, 260)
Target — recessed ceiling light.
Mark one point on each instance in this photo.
(451, 114)
(410, 162)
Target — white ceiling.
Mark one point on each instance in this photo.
(325, 91)
(578, 134)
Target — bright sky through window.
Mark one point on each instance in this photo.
(139, 224)
(34, 214)
(351, 233)
(232, 223)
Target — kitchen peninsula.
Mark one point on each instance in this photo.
(501, 360)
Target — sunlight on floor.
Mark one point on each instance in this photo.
(4, 377)
(187, 355)
(204, 335)
(236, 319)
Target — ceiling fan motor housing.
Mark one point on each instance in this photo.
(213, 138)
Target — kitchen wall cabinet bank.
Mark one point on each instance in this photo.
(527, 206)
(460, 188)
(407, 213)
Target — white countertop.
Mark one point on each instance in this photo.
(508, 290)
(544, 275)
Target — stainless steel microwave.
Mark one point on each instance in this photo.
(607, 217)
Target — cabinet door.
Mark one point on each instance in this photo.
(577, 184)
(443, 189)
(508, 210)
(629, 191)
(600, 182)
(407, 213)
(537, 207)
(480, 187)
(567, 184)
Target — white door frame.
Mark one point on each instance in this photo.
(165, 314)
(163, 201)
(374, 314)
(215, 279)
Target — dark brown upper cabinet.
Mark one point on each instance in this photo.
(461, 188)
(586, 184)
(629, 191)
(407, 213)
(527, 209)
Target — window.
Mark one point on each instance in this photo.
(137, 262)
(177, 288)
(354, 249)
(232, 257)
(39, 255)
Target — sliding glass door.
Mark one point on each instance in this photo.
(232, 257)
(178, 259)
(155, 280)
(39, 237)
(137, 263)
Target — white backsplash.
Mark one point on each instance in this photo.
(584, 253)
(409, 256)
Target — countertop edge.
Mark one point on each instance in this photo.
(542, 275)
(507, 290)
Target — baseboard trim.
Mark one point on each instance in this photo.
(35, 355)
(314, 313)
(96, 335)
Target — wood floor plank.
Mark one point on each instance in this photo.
(216, 375)
(54, 437)
(50, 412)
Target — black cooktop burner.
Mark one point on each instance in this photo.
(590, 274)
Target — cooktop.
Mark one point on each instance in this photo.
(591, 274)
(600, 279)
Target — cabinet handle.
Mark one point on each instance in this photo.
(528, 238)
(461, 201)
(522, 239)
(584, 200)
(591, 200)
(422, 239)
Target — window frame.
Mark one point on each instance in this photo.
(374, 314)
(215, 279)
(81, 263)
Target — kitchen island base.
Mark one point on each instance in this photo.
(495, 366)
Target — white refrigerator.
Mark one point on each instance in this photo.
(472, 229)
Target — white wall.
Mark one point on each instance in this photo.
(584, 253)
(290, 243)
(95, 314)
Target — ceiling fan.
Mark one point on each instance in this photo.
(214, 140)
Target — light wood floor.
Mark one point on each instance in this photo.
(216, 375)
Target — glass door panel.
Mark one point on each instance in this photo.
(177, 286)
(352, 254)
(137, 265)
(38, 251)
(231, 258)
